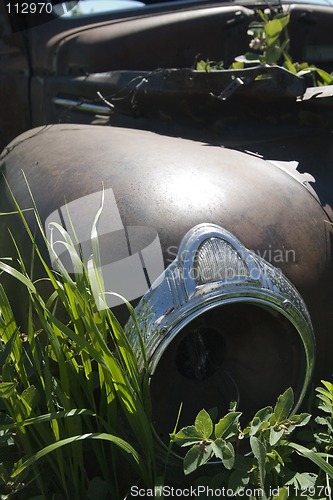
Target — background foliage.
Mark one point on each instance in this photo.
(269, 44)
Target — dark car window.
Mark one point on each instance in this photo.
(93, 7)
(88, 8)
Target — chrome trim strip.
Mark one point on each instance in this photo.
(76, 105)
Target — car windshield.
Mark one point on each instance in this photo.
(93, 7)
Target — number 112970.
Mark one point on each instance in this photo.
(310, 491)
(29, 8)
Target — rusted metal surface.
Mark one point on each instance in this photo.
(171, 185)
(271, 189)
(144, 42)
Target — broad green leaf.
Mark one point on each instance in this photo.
(225, 452)
(203, 424)
(192, 459)
(328, 385)
(323, 437)
(254, 426)
(259, 451)
(186, 436)
(228, 456)
(196, 456)
(237, 65)
(203, 66)
(273, 28)
(217, 446)
(325, 392)
(262, 416)
(303, 480)
(300, 420)
(325, 404)
(326, 421)
(325, 395)
(283, 406)
(228, 425)
(308, 480)
(275, 435)
(264, 413)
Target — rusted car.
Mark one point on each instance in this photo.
(217, 184)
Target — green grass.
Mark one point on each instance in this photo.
(75, 404)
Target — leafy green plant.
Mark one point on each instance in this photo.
(260, 457)
(324, 433)
(268, 39)
(269, 46)
(75, 405)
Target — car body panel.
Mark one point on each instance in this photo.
(120, 110)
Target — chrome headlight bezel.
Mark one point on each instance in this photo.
(180, 294)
